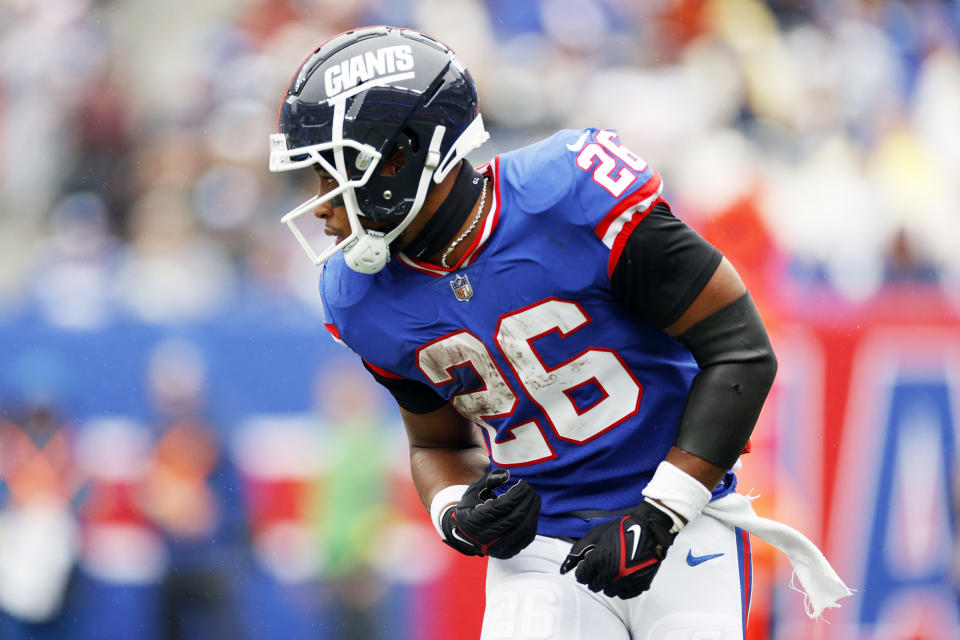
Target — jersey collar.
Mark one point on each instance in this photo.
(492, 171)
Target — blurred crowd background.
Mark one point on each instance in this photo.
(183, 454)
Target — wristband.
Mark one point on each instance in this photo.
(677, 490)
(449, 496)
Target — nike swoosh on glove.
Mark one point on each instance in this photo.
(484, 523)
(621, 557)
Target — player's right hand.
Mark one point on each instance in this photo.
(484, 523)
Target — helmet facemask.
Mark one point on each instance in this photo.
(283, 159)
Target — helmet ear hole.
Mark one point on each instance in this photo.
(405, 148)
(394, 162)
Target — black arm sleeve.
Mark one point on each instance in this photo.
(737, 367)
(414, 396)
(664, 266)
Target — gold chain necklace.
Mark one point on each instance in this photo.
(476, 219)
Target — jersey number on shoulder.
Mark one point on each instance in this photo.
(550, 388)
(605, 151)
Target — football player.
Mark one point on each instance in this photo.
(577, 370)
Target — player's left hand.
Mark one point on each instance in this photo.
(621, 557)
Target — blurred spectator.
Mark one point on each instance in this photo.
(73, 271)
(279, 458)
(101, 129)
(348, 502)
(40, 477)
(190, 494)
(171, 273)
(120, 547)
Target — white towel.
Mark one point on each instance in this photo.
(819, 583)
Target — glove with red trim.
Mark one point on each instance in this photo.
(621, 557)
(484, 523)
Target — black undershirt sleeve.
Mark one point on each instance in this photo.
(664, 266)
(414, 396)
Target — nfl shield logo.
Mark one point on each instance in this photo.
(461, 288)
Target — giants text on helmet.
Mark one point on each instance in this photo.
(364, 67)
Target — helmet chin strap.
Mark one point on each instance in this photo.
(370, 252)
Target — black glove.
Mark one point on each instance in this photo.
(483, 523)
(621, 557)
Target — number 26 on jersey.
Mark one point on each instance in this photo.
(549, 388)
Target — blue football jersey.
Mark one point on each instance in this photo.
(525, 337)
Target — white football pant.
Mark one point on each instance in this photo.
(702, 592)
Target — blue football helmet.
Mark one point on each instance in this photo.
(360, 98)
